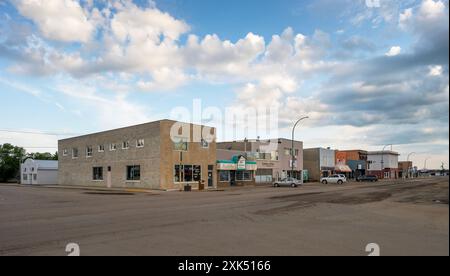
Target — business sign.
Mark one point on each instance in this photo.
(241, 165)
(226, 166)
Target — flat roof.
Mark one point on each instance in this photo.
(132, 126)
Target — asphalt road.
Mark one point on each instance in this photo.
(402, 217)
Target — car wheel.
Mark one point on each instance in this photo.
(293, 185)
(340, 182)
(276, 185)
(324, 182)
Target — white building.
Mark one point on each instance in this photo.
(383, 164)
(38, 172)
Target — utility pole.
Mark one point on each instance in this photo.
(292, 149)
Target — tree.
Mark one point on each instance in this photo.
(43, 156)
(10, 159)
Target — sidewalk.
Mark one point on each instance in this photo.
(85, 188)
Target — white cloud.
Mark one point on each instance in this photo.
(435, 70)
(394, 51)
(62, 20)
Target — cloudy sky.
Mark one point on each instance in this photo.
(367, 73)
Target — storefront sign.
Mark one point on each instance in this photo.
(226, 166)
(241, 165)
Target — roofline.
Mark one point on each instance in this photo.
(261, 140)
(132, 126)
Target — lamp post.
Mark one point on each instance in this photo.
(292, 149)
(245, 147)
(425, 163)
(409, 167)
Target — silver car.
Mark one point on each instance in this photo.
(334, 179)
(287, 182)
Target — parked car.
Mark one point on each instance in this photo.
(334, 179)
(367, 178)
(288, 182)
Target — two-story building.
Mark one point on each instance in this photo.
(162, 155)
(273, 157)
(353, 160)
(383, 164)
(320, 162)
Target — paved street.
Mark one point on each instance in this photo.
(403, 217)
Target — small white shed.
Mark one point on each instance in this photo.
(39, 172)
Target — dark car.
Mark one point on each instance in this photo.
(367, 178)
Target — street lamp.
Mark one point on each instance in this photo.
(292, 149)
(425, 163)
(409, 167)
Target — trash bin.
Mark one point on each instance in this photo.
(187, 188)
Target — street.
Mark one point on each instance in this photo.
(404, 217)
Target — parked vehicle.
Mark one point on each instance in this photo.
(367, 178)
(334, 179)
(288, 182)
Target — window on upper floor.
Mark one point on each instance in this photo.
(140, 143)
(89, 151)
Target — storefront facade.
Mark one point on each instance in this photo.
(236, 172)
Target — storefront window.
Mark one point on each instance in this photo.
(188, 173)
(134, 173)
(224, 176)
(177, 174)
(247, 176)
(197, 171)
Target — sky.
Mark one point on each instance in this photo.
(367, 73)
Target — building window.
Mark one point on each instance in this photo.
(134, 173)
(97, 173)
(89, 152)
(296, 152)
(25, 176)
(35, 177)
(244, 175)
(112, 147)
(177, 174)
(187, 173)
(140, 143)
(74, 153)
(24, 169)
(224, 176)
(287, 152)
(204, 144)
(197, 171)
(101, 148)
(65, 152)
(125, 145)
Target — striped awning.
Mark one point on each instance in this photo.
(343, 169)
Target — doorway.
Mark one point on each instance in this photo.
(210, 176)
(232, 178)
(108, 178)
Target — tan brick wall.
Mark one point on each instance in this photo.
(196, 155)
(79, 171)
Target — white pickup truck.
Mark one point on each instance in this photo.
(334, 179)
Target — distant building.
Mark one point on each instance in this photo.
(273, 157)
(356, 160)
(162, 155)
(405, 169)
(235, 169)
(39, 172)
(383, 164)
(319, 162)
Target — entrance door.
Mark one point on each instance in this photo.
(108, 178)
(232, 178)
(210, 176)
